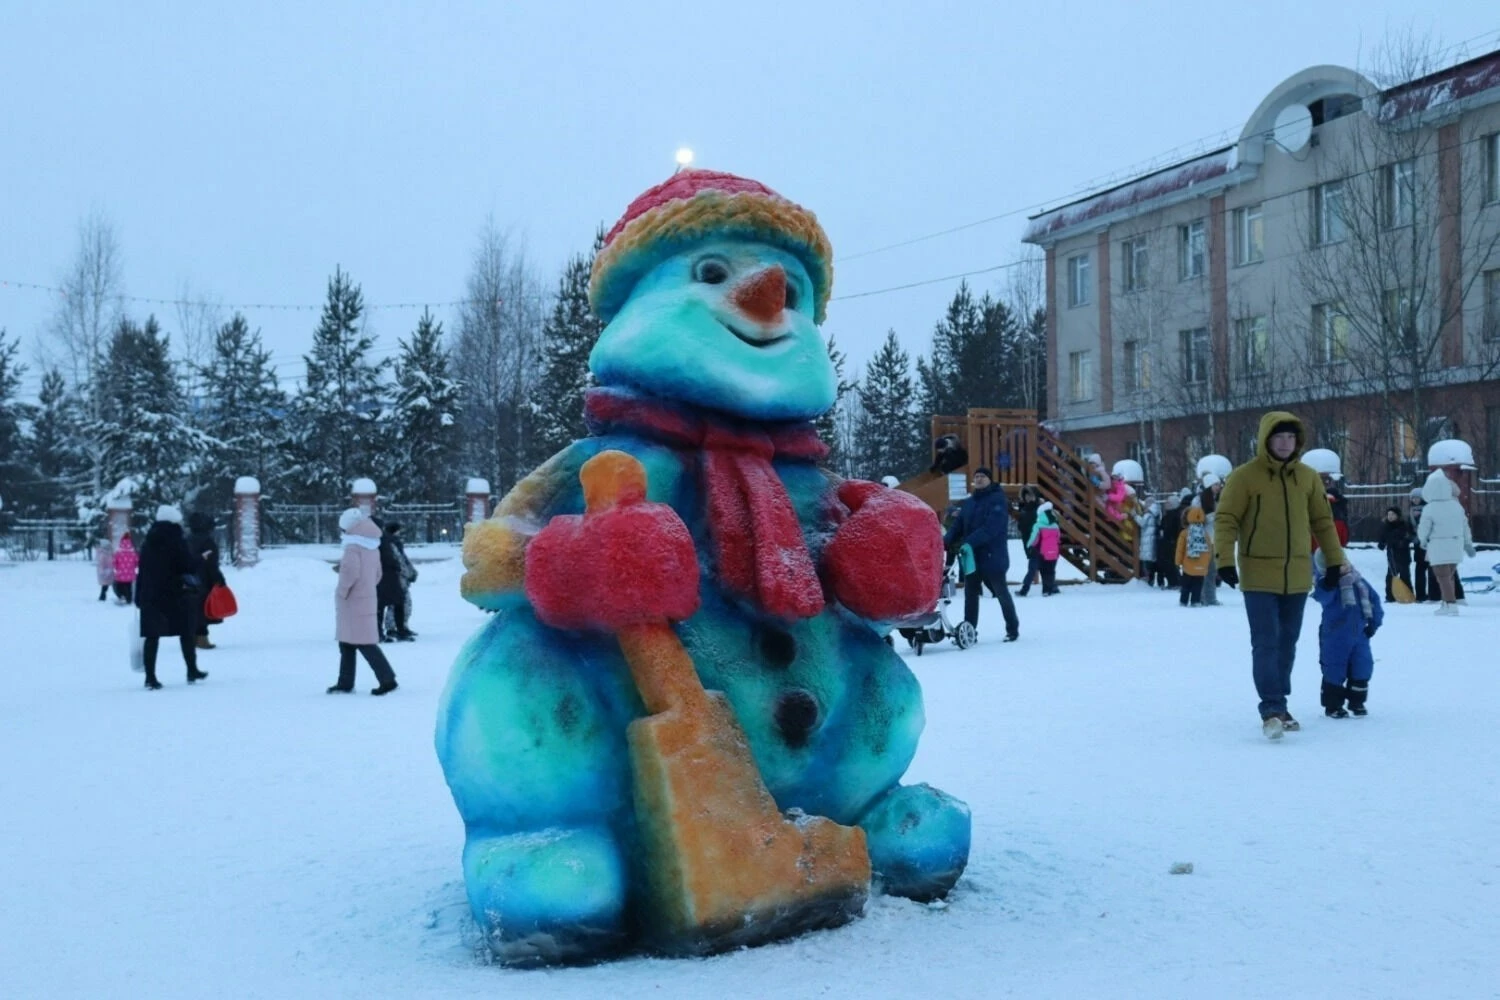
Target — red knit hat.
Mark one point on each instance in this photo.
(695, 205)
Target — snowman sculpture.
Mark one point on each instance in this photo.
(694, 531)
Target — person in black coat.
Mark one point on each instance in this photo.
(1166, 544)
(167, 593)
(1396, 537)
(205, 549)
(1025, 521)
(983, 522)
(391, 591)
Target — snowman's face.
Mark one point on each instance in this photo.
(726, 326)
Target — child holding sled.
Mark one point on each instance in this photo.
(1351, 615)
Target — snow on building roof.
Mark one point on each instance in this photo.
(1450, 90)
(1179, 177)
(1445, 87)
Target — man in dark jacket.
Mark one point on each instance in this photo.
(166, 591)
(1396, 537)
(205, 549)
(1166, 542)
(983, 521)
(391, 591)
(1025, 521)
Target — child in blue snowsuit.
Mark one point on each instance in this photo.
(1351, 614)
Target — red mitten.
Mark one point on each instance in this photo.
(886, 561)
(631, 564)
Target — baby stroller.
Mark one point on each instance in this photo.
(934, 626)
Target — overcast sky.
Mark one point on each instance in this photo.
(248, 152)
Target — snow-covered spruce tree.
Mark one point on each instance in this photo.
(243, 411)
(568, 336)
(828, 423)
(56, 460)
(335, 426)
(14, 473)
(424, 422)
(940, 376)
(887, 441)
(143, 429)
(978, 359)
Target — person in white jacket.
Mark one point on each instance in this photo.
(1444, 533)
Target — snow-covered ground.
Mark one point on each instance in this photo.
(251, 836)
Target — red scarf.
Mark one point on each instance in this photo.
(758, 541)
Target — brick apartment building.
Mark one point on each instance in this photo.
(1341, 259)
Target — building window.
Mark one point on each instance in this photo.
(1137, 366)
(1492, 305)
(1249, 235)
(1137, 451)
(1405, 441)
(1192, 250)
(1492, 167)
(1195, 348)
(1330, 334)
(1492, 420)
(1400, 323)
(1133, 264)
(1080, 375)
(1398, 182)
(1254, 337)
(1078, 280)
(1328, 213)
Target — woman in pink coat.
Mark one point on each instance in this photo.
(104, 565)
(127, 561)
(354, 604)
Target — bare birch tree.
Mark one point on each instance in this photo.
(498, 357)
(1390, 259)
(86, 315)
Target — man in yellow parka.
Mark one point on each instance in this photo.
(1272, 507)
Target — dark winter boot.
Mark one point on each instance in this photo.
(1333, 700)
(152, 684)
(194, 674)
(1358, 692)
(385, 688)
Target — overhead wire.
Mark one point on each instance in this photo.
(1093, 189)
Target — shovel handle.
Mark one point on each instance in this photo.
(660, 665)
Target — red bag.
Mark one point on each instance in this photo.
(219, 603)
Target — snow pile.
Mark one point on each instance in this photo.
(252, 836)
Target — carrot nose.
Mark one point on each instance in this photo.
(762, 297)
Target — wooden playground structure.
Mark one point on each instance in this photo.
(1020, 451)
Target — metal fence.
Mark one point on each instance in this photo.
(318, 524)
(29, 539)
(1366, 506)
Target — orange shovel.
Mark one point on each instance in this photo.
(724, 867)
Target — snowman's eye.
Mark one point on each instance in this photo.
(793, 296)
(711, 270)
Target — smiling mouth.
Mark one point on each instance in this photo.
(754, 341)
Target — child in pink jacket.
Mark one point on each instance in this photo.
(127, 560)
